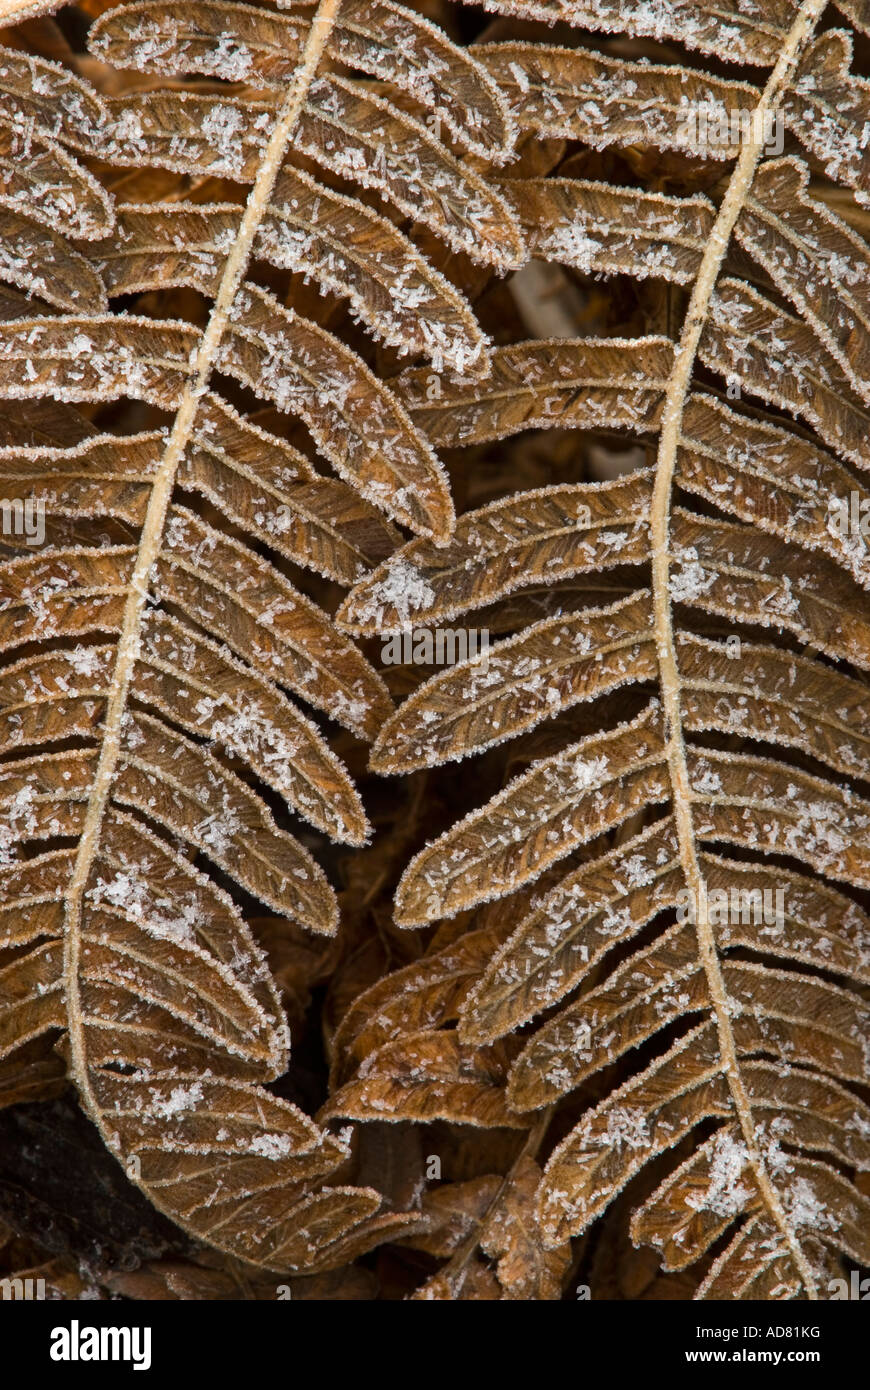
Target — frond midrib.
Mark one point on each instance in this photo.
(151, 538)
(703, 289)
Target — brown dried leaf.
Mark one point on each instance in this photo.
(592, 786)
(525, 1268)
(427, 1076)
(552, 532)
(359, 425)
(608, 382)
(345, 246)
(778, 358)
(383, 39)
(767, 476)
(827, 105)
(620, 231)
(43, 263)
(815, 259)
(731, 29)
(580, 95)
(495, 696)
(227, 589)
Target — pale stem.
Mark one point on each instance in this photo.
(151, 540)
(672, 415)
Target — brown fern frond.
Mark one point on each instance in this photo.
(265, 265)
(346, 247)
(741, 778)
(146, 726)
(375, 36)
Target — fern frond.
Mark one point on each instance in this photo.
(148, 732)
(342, 128)
(660, 505)
(346, 247)
(719, 763)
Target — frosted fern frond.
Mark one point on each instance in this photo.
(178, 601)
(678, 853)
